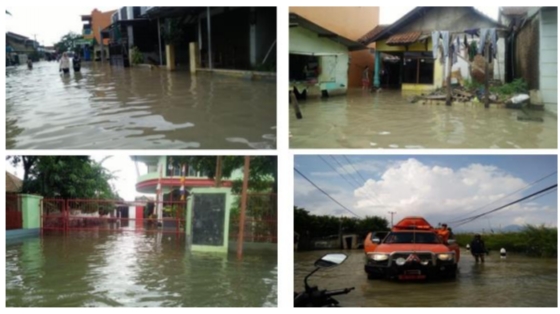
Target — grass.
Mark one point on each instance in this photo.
(537, 241)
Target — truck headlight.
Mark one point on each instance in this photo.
(445, 256)
(378, 257)
(425, 262)
(400, 261)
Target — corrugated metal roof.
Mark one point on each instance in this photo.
(404, 38)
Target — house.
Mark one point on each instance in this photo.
(217, 38)
(349, 22)
(96, 47)
(13, 183)
(19, 48)
(410, 40)
(532, 51)
(319, 58)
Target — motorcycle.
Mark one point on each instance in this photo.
(312, 296)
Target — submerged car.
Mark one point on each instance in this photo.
(411, 250)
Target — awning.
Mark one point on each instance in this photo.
(83, 42)
(298, 21)
(172, 12)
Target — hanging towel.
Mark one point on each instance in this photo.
(493, 37)
(466, 42)
(435, 43)
(445, 42)
(454, 52)
(484, 32)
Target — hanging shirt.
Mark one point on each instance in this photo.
(435, 43)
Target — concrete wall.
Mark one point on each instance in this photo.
(350, 22)
(188, 229)
(548, 56)
(527, 53)
(254, 246)
(333, 57)
(31, 211)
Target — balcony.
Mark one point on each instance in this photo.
(87, 32)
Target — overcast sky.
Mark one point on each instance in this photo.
(440, 188)
(121, 166)
(48, 23)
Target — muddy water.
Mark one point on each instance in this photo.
(517, 281)
(105, 107)
(388, 120)
(133, 270)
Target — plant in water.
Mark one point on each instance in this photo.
(137, 56)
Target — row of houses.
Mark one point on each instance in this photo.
(19, 48)
(241, 38)
(327, 54)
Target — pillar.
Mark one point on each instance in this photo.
(376, 80)
(194, 60)
(209, 29)
(31, 211)
(253, 37)
(170, 57)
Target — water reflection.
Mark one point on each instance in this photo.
(388, 120)
(107, 107)
(517, 281)
(133, 270)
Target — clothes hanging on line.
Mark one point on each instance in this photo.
(445, 42)
(435, 43)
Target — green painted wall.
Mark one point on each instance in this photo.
(31, 211)
(228, 201)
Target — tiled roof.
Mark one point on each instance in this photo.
(13, 183)
(371, 34)
(404, 38)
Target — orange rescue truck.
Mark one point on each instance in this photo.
(413, 249)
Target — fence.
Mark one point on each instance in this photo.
(111, 215)
(261, 218)
(14, 218)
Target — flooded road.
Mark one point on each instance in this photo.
(388, 120)
(105, 107)
(517, 281)
(133, 270)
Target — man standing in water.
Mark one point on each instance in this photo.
(478, 249)
(65, 63)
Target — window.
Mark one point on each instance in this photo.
(418, 68)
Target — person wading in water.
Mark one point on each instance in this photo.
(65, 63)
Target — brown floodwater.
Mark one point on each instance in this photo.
(517, 281)
(388, 120)
(104, 107)
(96, 269)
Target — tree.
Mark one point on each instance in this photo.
(263, 173)
(65, 177)
(67, 42)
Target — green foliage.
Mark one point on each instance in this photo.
(473, 85)
(137, 56)
(516, 87)
(313, 226)
(67, 42)
(263, 172)
(537, 241)
(64, 177)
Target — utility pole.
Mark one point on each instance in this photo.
(392, 213)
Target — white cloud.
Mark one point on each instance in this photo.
(438, 193)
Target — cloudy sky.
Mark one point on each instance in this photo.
(121, 166)
(440, 188)
(48, 23)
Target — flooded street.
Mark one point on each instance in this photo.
(387, 120)
(517, 281)
(107, 107)
(133, 270)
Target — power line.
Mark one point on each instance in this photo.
(501, 198)
(359, 183)
(470, 219)
(333, 168)
(327, 194)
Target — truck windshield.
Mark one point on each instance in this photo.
(412, 237)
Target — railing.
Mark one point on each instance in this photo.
(14, 219)
(261, 218)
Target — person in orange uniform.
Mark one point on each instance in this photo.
(444, 233)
